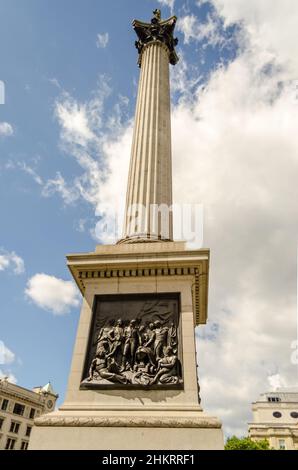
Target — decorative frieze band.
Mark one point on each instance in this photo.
(134, 421)
(108, 273)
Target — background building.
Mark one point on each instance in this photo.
(275, 417)
(18, 408)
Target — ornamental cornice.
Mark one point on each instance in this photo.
(38, 401)
(97, 267)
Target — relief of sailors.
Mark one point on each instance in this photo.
(136, 353)
(131, 338)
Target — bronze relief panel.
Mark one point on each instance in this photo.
(134, 342)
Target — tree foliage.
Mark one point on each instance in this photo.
(245, 443)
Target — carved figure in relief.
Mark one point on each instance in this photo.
(167, 371)
(150, 336)
(104, 338)
(161, 335)
(106, 369)
(139, 353)
(145, 359)
(131, 339)
(172, 338)
(116, 335)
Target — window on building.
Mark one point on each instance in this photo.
(28, 431)
(4, 404)
(274, 399)
(282, 444)
(18, 409)
(14, 427)
(276, 414)
(32, 413)
(1, 422)
(24, 445)
(294, 414)
(10, 443)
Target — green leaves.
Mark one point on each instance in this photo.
(245, 443)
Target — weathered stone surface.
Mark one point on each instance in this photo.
(128, 438)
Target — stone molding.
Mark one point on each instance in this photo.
(123, 262)
(170, 422)
(107, 273)
(26, 396)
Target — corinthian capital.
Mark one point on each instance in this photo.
(157, 30)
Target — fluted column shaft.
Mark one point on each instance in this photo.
(150, 172)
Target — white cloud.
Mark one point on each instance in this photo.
(10, 260)
(188, 25)
(4, 262)
(29, 170)
(6, 129)
(54, 81)
(58, 185)
(167, 3)
(194, 30)
(52, 294)
(100, 144)
(74, 119)
(102, 40)
(276, 381)
(264, 24)
(6, 355)
(81, 225)
(185, 78)
(8, 376)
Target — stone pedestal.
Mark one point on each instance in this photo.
(130, 433)
(135, 418)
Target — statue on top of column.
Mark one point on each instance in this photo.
(157, 15)
(157, 30)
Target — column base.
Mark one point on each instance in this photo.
(83, 431)
(143, 238)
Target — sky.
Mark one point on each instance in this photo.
(69, 76)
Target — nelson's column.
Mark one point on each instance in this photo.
(133, 380)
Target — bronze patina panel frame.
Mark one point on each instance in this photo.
(134, 342)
